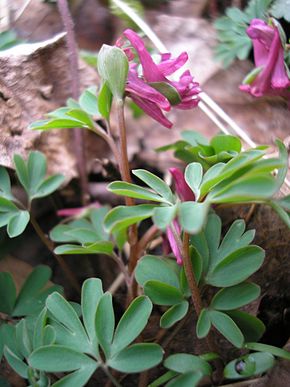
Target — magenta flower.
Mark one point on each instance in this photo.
(185, 194)
(181, 186)
(270, 77)
(77, 211)
(172, 241)
(143, 88)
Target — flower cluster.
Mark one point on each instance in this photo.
(271, 76)
(148, 85)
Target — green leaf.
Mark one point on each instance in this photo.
(63, 312)
(283, 156)
(105, 101)
(248, 188)
(203, 324)
(227, 327)
(5, 184)
(193, 177)
(224, 142)
(36, 168)
(80, 115)
(16, 363)
(88, 101)
(105, 323)
(91, 293)
(39, 329)
(252, 328)
(8, 293)
(132, 323)
(162, 294)
(113, 68)
(281, 9)
(77, 378)
(127, 10)
(235, 296)
(151, 267)
(192, 216)
(163, 379)
(32, 295)
(17, 223)
(23, 339)
(8, 339)
(58, 358)
(21, 171)
(183, 363)
(48, 186)
(133, 191)
(279, 352)
(123, 216)
(168, 91)
(281, 212)
(194, 138)
(163, 216)
(239, 162)
(262, 361)
(235, 238)
(174, 314)
(154, 182)
(189, 379)
(59, 123)
(102, 247)
(137, 358)
(236, 267)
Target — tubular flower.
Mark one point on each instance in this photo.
(151, 90)
(185, 194)
(270, 76)
(77, 211)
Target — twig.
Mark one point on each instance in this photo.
(79, 143)
(67, 271)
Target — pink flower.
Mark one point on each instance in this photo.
(185, 194)
(181, 186)
(77, 211)
(270, 77)
(143, 88)
(172, 241)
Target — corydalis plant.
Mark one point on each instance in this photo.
(148, 84)
(271, 75)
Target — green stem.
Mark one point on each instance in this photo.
(111, 377)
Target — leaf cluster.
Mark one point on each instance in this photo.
(246, 178)
(194, 147)
(81, 113)
(18, 341)
(81, 347)
(85, 235)
(32, 176)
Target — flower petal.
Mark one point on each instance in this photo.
(173, 244)
(152, 110)
(181, 187)
(137, 86)
(169, 65)
(150, 69)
